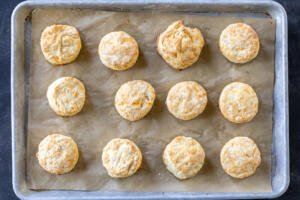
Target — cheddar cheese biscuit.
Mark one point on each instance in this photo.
(186, 100)
(66, 96)
(184, 157)
(239, 43)
(60, 44)
(240, 157)
(134, 99)
(118, 50)
(121, 158)
(180, 46)
(238, 102)
(57, 154)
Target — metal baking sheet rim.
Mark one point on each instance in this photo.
(280, 146)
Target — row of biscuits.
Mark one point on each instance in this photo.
(186, 100)
(183, 156)
(178, 45)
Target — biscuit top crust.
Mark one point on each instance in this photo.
(240, 157)
(239, 43)
(134, 99)
(180, 46)
(60, 44)
(186, 100)
(118, 50)
(238, 102)
(121, 158)
(66, 96)
(184, 157)
(57, 154)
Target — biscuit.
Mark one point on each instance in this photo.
(134, 99)
(240, 157)
(238, 102)
(66, 96)
(121, 158)
(57, 154)
(118, 50)
(239, 43)
(186, 100)
(180, 46)
(183, 157)
(60, 44)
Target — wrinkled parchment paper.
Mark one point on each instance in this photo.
(99, 122)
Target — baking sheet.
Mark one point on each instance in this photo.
(99, 122)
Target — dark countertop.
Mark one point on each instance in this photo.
(293, 10)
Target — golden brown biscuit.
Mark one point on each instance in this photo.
(184, 157)
(57, 154)
(118, 50)
(240, 157)
(134, 99)
(180, 46)
(121, 158)
(239, 43)
(238, 102)
(66, 96)
(186, 100)
(60, 44)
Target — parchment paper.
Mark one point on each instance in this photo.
(99, 122)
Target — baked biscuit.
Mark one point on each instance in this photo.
(186, 100)
(238, 102)
(180, 46)
(121, 158)
(239, 43)
(134, 99)
(240, 157)
(57, 154)
(60, 44)
(118, 50)
(66, 96)
(184, 157)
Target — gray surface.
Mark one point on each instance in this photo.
(280, 159)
